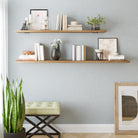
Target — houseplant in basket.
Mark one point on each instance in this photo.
(13, 109)
(96, 22)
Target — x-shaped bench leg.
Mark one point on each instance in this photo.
(40, 128)
(36, 126)
(49, 126)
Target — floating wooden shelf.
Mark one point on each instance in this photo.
(58, 31)
(70, 61)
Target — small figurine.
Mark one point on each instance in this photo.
(46, 23)
(25, 25)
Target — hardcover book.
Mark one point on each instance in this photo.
(64, 22)
(78, 53)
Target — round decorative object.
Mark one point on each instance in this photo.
(21, 134)
(26, 52)
(74, 23)
(55, 53)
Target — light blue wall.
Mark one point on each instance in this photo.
(86, 91)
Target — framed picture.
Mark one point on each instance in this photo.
(126, 108)
(108, 45)
(39, 18)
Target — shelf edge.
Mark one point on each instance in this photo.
(70, 61)
(62, 31)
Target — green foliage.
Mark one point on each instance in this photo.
(13, 106)
(96, 20)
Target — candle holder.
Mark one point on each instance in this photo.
(99, 54)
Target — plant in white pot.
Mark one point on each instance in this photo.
(13, 109)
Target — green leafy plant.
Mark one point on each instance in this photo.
(92, 21)
(96, 20)
(13, 106)
(101, 19)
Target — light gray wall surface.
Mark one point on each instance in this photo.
(86, 91)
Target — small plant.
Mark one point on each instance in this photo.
(92, 21)
(13, 106)
(56, 43)
(101, 19)
(96, 20)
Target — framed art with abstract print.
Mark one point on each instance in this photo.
(108, 45)
(39, 18)
(126, 108)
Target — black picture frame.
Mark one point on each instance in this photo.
(39, 10)
(38, 26)
(108, 38)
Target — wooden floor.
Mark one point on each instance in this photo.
(107, 135)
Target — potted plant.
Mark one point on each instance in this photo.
(95, 22)
(55, 53)
(92, 21)
(13, 110)
(100, 21)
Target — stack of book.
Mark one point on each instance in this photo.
(78, 53)
(38, 55)
(27, 56)
(39, 52)
(75, 27)
(61, 22)
(116, 57)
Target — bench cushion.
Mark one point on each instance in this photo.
(42, 108)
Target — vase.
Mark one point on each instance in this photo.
(99, 54)
(15, 135)
(97, 27)
(55, 53)
(92, 27)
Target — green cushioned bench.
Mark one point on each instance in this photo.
(50, 111)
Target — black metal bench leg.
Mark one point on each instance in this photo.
(41, 128)
(58, 135)
(35, 125)
(55, 130)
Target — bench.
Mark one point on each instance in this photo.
(45, 113)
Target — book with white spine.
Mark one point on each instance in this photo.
(37, 50)
(78, 53)
(27, 57)
(42, 53)
(117, 57)
(36, 45)
(79, 25)
(73, 52)
(74, 28)
(58, 23)
(39, 54)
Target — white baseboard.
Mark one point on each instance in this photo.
(81, 128)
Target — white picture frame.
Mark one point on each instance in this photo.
(108, 45)
(38, 17)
